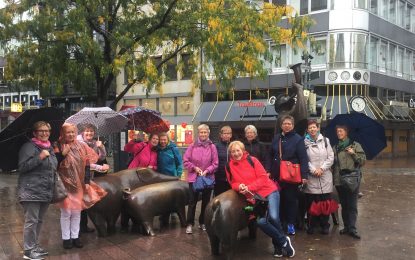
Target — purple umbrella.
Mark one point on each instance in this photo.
(145, 119)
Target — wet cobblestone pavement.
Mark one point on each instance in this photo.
(386, 222)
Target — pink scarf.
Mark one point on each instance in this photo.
(40, 143)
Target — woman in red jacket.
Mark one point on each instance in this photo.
(145, 153)
(249, 179)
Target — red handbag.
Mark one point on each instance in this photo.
(289, 172)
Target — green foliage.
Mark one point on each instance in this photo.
(86, 43)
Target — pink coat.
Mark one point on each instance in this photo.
(144, 154)
(203, 155)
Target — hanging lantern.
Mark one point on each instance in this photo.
(184, 124)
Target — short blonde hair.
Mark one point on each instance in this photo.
(236, 143)
(203, 126)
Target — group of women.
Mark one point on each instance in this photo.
(39, 163)
(246, 167)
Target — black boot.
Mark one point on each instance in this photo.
(77, 243)
(67, 243)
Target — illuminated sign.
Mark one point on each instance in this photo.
(251, 104)
(16, 107)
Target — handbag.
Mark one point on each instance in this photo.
(202, 183)
(289, 172)
(59, 190)
(350, 179)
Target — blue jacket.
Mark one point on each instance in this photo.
(169, 160)
(293, 150)
(224, 158)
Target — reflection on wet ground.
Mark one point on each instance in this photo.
(385, 222)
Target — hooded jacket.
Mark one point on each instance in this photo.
(203, 155)
(144, 154)
(169, 160)
(256, 178)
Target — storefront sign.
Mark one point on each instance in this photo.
(251, 104)
(16, 107)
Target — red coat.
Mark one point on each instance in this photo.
(255, 177)
(144, 154)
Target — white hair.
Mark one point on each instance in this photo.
(203, 126)
(251, 127)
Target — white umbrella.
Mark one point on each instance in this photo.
(106, 120)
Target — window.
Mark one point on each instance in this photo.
(392, 11)
(1, 52)
(400, 62)
(300, 5)
(383, 56)
(413, 19)
(340, 50)
(340, 4)
(392, 59)
(1, 74)
(150, 103)
(318, 51)
(374, 6)
(413, 66)
(384, 8)
(166, 106)
(279, 56)
(185, 106)
(187, 69)
(125, 75)
(359, 51)
(279, 2)
(361, 4)
(171, 69)
(407, 64)
(373, 54)
(157, 61)
(317, 5)
(408, 13)
(401, 13)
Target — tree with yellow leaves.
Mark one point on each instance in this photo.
(86, 43)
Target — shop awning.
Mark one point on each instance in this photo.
(241, 110)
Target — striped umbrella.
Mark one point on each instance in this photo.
(106, 120)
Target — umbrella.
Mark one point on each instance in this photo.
(106, 120)
(323, 206)
(145, 119)
(20, 131)
(362, 129)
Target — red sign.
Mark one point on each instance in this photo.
(251, 104)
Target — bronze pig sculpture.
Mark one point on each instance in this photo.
(224, 218)
(146, 202)
(104, 214)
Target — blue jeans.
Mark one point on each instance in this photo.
(271, 224)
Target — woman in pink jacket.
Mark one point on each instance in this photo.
(201, 158)
(145, 153)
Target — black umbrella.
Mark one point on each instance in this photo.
(362, 129)
(20, 131)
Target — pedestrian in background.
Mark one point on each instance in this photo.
(249, 180)
(256, 148)
(348, 156)
(320, 180)
(221, 183)
(73, 157)
(37, 166)
(200, 159)
(293, 150)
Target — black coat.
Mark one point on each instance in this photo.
(36, 177)
(260, 151)
(294, 150)
(223, 157)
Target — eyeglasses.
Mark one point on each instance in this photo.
(43, 131)
(226, 133)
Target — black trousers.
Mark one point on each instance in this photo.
(348, 201)
(193, 198)
(84, 219)
(221, 187)
(289, 203)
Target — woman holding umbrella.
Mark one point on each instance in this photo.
(348, 157)
(145, 153)
(320, 181)
(73, 157)
(37, 166)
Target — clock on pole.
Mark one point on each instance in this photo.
(358, 103)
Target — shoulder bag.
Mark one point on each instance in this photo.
(289, 172)
(59, 190)
(349, 179)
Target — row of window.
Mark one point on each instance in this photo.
(399, 12)
(26, 100)
(349, 50)
(168, 106)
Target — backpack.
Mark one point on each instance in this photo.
(228, 168)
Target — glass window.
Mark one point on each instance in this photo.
(383, 56)
(359, 51)
(374, 6)
(361, 4)
(401, 13)
(407, 64)
(296, 56)
(413, 66)
(340, 4)
(171, 69)
(400, 61)
(149, 103)
(166, 106)
(340, 50)
(384, 8)
(279, 2)
(300, 5)
(131, 102)
(1, 74)
(279, 56)
(373, 59)
(413, 19)
(318, 51)
(408, 17)
(317, 5)
(392, 59)
(184, 136)
(185, 106)
(1, 52)
(187, 69)
(392, 11)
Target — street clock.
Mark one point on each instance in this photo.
(358, 103)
